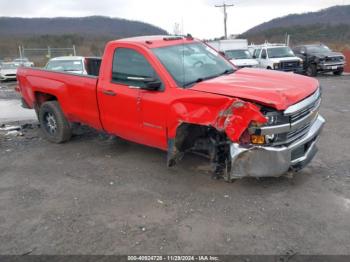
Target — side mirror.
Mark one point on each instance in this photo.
(254, 56)
(152, 86)
(222, 53)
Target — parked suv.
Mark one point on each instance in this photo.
(320, 58)
(277, 57)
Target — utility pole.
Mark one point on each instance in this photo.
(225, 6)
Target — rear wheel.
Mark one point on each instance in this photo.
(53, 123)
(338, 72)
(311, 70)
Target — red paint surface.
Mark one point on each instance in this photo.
(346, 52)
(152, 117)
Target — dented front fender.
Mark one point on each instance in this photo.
(229, 115)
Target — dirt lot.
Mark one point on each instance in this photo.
(102, 195)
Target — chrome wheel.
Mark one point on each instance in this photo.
(50, 123)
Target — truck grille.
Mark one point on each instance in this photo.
(303, 117)
(334, 59)
(290, 137)
(304, 113)
(289, 65)
(291, 124)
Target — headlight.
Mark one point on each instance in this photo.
(273, 118)
(276, 65)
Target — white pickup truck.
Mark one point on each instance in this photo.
(75, 64)
(277, 57)
(235, 50)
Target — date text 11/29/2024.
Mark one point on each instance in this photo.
(173, 258)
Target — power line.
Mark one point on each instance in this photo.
(225, 6)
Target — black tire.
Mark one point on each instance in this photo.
(53, 123)
(311, 70)
(338, 72)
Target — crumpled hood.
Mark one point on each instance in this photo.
(272, 88)
(327, 54)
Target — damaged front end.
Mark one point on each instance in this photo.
(246, 140)
(287, 142)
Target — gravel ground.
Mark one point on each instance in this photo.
(102, 195)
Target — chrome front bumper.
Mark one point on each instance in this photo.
(332, 66)
(261, 161)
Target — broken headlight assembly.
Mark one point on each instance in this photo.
(274, 118)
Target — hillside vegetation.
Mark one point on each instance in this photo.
(89, 34)
(331, 26)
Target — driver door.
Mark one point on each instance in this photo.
(120, 97)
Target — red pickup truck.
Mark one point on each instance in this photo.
(180, 95)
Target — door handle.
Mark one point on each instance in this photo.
(109, 92)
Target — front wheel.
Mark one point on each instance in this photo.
(338, 72)
(311, 70)
(53, 123)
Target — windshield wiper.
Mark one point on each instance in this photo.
(201, 79)
(227, 72)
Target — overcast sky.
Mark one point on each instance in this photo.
(199, 17)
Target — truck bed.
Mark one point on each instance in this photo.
(77, 94)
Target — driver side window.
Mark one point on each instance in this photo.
(263, 54)
(128, 65)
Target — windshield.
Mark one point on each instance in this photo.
(192, 63)
(278, 52)
(318, 49)
(238, 54)
(8, 66)
(65, 65)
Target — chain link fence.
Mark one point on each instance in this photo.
(40, 56)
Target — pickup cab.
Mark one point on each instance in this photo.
(179, 95)
(278, 57)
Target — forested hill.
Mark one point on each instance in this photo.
(88, 34)
(330, 25)
(92, 26)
